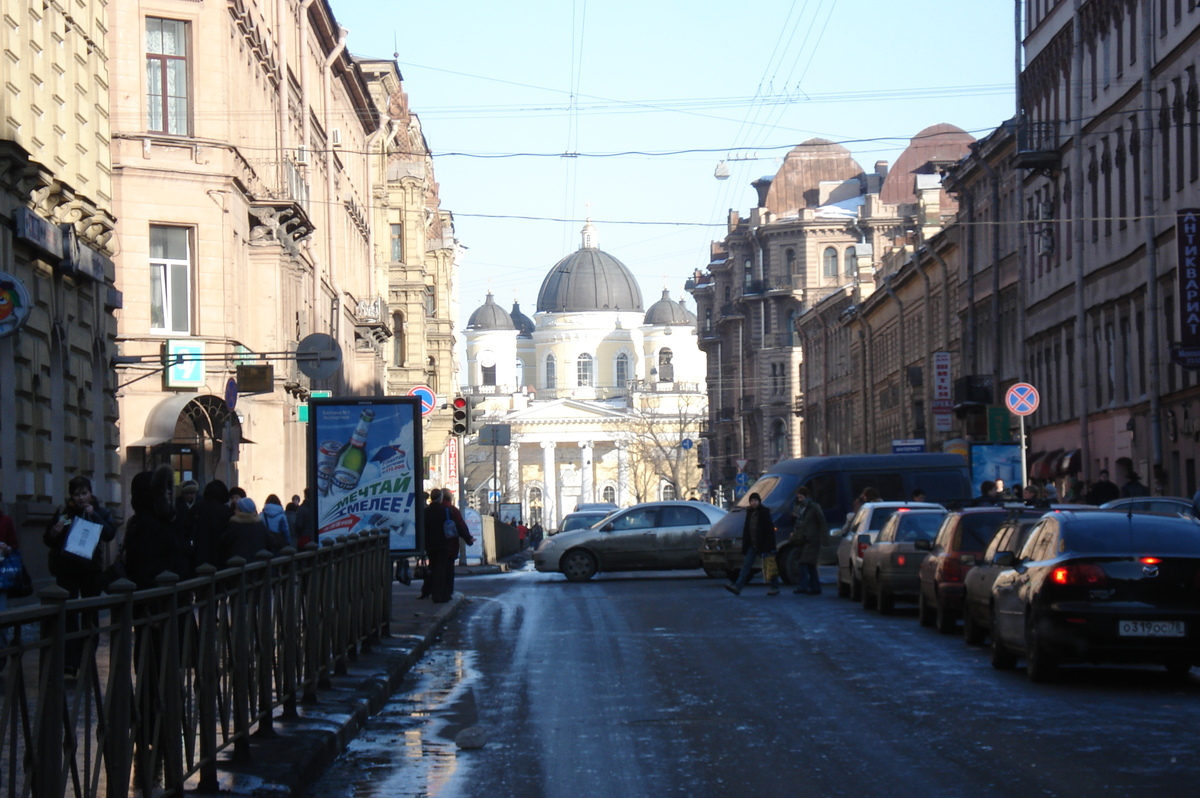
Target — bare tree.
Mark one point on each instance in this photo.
(658, 425)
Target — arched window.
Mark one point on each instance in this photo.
(551, 373)
(666, 370)
(748, 269)
(831, 262)
(488, 374)
(397, 339)
(583, 370)
(520, 373)
(778, 439)
(668, 492)
(535, 506)
(850, 259)
(609, 494)
(622, 369)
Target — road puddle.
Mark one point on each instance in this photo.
(408, 749)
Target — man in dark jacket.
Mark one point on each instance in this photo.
(807, 535)
(212, 521)
(153, 542)
(435, 542)
(758, 538)
(247, 534)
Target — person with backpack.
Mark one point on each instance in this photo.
(275, 517)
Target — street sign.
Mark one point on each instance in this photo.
(1022, 399)
(427, 396)
(231, 393)
(185, 364)
(741, 464)
(742, 479)
(493, 496)
(908, 445)
(686, 444)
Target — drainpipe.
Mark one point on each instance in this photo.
(905, 421)
(970, 353)
(281, 53)
(1149, 227)
(330, 199)
(997, 337)
(1018, 198)
(825, 348)
(306, 142)
(945, 296)
(927, 323)
(866, 340)
(1081, 337)
(741, 387)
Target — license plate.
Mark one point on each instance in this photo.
(1152, 629)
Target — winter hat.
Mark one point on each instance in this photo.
(246, 505)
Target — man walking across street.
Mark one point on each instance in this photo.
(807, 535)
(758, 538)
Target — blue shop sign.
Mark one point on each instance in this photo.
(44, 235)
(79, 258)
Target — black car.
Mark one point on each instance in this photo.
(1100, 587)
(977, 596)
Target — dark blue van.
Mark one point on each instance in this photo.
(835, 482)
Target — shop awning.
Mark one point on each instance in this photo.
(208, 413)
(160, 424)
(1069, 464)
(1043, 467)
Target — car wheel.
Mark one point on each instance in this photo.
(1002, 658)
(884, 602)
(843, 588)
(1039, 665)
(578, 565)
(945, 621)
(856, 589)
(925, 613)
(867, 598)
(972, 634)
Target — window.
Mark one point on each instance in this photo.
(666, 370)
(551, 373)
(668, 492)
(790, 256)
(488, 374)
(622, 369)
(520, 373)
(831, 262)
(430, 302)
(397, 243)
(778, 439)
(166, 76)
(609, 494)
(398, 339)
(583, 370)
(748, 276)
(170, 280)
(850, 259)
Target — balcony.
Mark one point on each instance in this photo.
(747, 404)
(731, 310)
(1037, 145)
(779, 340)
(371, 322)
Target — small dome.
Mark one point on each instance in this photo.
(490, 316)
(589, 279)
(522, 322)
(668, 312)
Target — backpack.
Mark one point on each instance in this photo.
(449, 528)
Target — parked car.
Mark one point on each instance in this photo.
(645, 537)
(835, 482)
(860, 531)
(1170, 505)
(582, 520)
(1100, 587)
(959, 545)
(891, 563)
(608, 507)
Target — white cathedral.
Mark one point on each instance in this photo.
(605, 399)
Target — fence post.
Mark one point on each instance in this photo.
(312, 623)
(240, 658)
(266, 646)
(118, 742)
(170, 684)
(329, 608)
(47, 756)
(341, 637)
(207, 684)
(291, 629)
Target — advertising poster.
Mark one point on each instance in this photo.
(510, 513)
(995, 461)
(365, 461)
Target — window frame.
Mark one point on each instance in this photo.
(167, 296)
(585, 371)
(829, 265)
(163, 100)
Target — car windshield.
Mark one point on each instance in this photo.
(918, 526)
(879, 517)
(1133, 534)
(762, 487)
(978, 529)
(582, 520)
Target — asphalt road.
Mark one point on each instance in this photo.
(665, 684)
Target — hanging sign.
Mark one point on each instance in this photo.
(1187, 241)
(15, 305)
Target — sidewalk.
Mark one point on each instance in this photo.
(302, 748)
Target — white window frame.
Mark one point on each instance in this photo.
(168, 270)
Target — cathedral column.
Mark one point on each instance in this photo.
(587, 488)
(622, 474)
(512, 487)
(550, 495)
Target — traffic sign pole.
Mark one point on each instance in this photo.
(1022, 399)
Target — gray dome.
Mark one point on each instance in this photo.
(589, 279)
(522, 322)
(490, 316)
(665, 311)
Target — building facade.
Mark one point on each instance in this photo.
(58, 304)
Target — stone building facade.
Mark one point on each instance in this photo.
(58, 304)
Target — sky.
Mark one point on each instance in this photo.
(545, 112)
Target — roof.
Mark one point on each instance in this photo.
(589, 279)
(797, 183)
(490, 316)
(668, 312)
(941, 142)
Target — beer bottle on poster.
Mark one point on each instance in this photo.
(353, 459)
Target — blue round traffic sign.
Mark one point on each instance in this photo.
(686, 444)
(742, 479)
(427, 396)
(1022, 399)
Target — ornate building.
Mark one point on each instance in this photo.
(603, 397)
(58, 417)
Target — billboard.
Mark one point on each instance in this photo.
(996, 461)
(364, 467)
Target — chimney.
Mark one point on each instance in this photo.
(762, 186)
(881, 168)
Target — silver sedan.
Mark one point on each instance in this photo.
(646, 537)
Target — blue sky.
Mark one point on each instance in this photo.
(703, 80)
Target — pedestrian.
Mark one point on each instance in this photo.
(292, 513)
(1103, 490)
(987, 494)
(1134, 488)
(758, 539)
(435, 541)
(522, 535)
(306, 521)
(1032, 495)
(247, 535)
(868, 495)
(444, 589)
(9, 544)
(187, 510)
(536, 533)
(918, 495)
(236, 493)
(79, 576)
(1001, 495)
(212, 521)
(154, 540)
(275, 518)
(808, 533)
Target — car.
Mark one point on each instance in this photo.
(645, 537)
(977, 584)
(959, 544)
(1170, 505)
(859, 532)
(835, 482)
(581, 520)
(890, 564)
(1099, 587)
(608, 507)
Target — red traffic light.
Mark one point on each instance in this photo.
(460, 403)
(459, 425)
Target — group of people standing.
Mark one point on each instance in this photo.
(758, 540)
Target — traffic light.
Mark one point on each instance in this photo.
(474, 414)
(460, 415)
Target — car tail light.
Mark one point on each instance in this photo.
(1079, 575)
(863, 545)
(950, 570)
(1149, 561)
(900, 559)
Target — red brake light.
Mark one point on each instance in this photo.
(950, 570)
(900, 559)
(862, 548)
(1150, 561)
(1081, 575)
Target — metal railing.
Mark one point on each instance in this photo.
(171, 677)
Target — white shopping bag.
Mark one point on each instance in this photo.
(83, 538)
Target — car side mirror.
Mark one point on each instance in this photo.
(1005, 559)
(607, 527)
(923, 545)
(967, 559)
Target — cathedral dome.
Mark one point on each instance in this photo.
(667, 312)
(589, 279)
(522, 322)
(490, 316)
